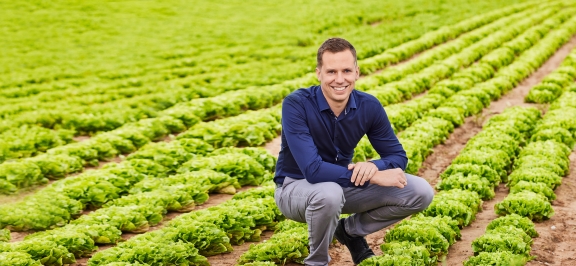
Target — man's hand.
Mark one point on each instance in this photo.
(363, 172)
(390, 178)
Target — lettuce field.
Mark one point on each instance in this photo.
(147, 132)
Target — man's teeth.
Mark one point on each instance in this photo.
(340, 88)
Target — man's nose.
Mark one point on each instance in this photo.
(340, 77)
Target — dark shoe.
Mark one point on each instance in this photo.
(357, 246)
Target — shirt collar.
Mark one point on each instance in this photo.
(323, 104)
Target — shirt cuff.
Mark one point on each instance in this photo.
(381, 164)
(348, 183)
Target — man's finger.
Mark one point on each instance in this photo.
(354, 175)
(361, 176)
(367, 175)
(351, 166)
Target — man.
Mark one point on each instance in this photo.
(321, 126)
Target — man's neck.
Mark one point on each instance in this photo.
(337, 108)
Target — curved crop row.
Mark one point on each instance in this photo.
(404, 114)
(538, 170)
(29, 140)
(554, 84)
(35, 170)
(132, 136)
(541, 165)
(412, 84)
(186, 239)
(506, 242)
(424, 134)
(146, 203)
(441, 52)
(65, 199)
(205, 232)
(405, 51)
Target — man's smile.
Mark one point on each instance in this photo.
(341, 88)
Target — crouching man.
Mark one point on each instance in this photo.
(316, 181)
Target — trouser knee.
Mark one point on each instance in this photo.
(424, 193)
(328, 201)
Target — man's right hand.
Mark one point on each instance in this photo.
(390, 178)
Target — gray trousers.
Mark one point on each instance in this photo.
(373, 208)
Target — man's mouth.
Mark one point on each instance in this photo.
(341, 88)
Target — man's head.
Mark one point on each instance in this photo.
(337, 70)
(334, 45)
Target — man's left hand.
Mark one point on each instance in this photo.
(363, 172)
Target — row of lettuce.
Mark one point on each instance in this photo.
(492, 153)
(394, 85)
(106, 117)
(488, 61)
(133, 196)
(65, 199)
(541, 165)
(60, 161)
(556, 83)
(537, 171)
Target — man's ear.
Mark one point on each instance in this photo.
(318, 73)
(357, 72)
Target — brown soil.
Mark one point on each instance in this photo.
(556, 244)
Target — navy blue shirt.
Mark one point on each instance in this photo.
(318, 146)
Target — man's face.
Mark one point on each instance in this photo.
(337, 76)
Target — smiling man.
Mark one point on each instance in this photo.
(315, 180)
